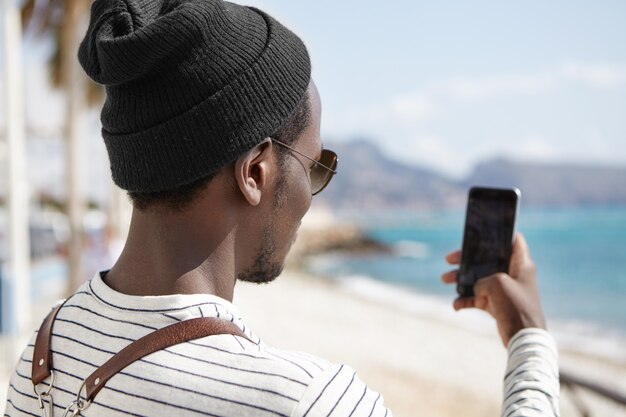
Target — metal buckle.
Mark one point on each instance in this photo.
(46, 403)
(75, 407)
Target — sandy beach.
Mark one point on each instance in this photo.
(423, 365)
(425, 360)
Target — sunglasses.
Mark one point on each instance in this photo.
(322, 170)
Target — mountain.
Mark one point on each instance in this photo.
(368, 179)
(555, 184)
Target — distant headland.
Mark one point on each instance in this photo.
(368, 179)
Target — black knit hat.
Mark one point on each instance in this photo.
(191, 85)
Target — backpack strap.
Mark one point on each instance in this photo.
(42, 355)
(158, 340)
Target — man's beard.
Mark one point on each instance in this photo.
(264, 270)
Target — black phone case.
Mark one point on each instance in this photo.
(499, 228)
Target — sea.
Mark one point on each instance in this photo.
(580, 254)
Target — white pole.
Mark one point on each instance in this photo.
(16, 304)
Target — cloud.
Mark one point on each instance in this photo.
(403, 111)
(432, 151)
(595, 74)
(567, 74)
(533, 147)
(410, 108)
(505, 84)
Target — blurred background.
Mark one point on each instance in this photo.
(421, 100)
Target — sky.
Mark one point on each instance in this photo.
(445, 85)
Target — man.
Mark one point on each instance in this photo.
(212, 124)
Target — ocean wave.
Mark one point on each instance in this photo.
(590, 339)
(411, 249)
(575, 336)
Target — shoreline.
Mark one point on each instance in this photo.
(436, 307)
(572, 336)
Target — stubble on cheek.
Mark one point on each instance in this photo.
(264, 269)
(280, 194)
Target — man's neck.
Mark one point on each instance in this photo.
(174, 254)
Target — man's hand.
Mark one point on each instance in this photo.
(512, 299)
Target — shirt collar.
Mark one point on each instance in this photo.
(177, 307)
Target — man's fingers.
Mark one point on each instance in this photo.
(522, 266)
(485, 286)
(463, 302)
(481, 303)
(450, 277)
(454, 258)
(520, 247)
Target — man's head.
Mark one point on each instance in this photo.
(201, 92)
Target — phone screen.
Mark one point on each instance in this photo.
(488, 236)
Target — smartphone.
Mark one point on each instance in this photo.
(490, 223)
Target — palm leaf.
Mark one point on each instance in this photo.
(43, 18)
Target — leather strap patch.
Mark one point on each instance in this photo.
(160, 339)
(42, 354)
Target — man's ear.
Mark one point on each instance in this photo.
(254, 170)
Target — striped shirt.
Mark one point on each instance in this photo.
(225, 375)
